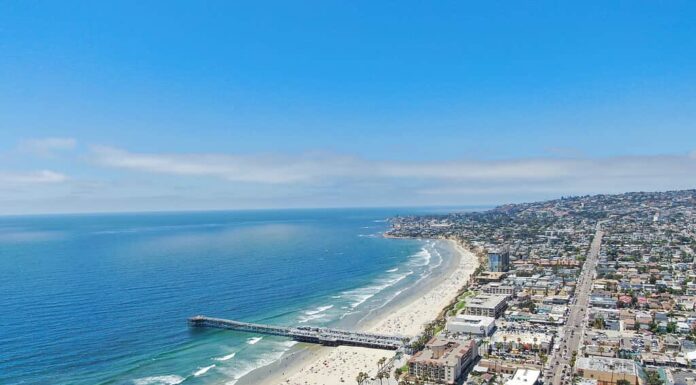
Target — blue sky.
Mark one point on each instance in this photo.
(179, 105)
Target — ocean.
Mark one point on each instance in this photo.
(103, 299)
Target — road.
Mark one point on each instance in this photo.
(557, 369)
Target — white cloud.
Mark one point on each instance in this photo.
(35, 177)
(259, 168)
(322, 166)
(48, 146)
(563, 175)
(209, 181)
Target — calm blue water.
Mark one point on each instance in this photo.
(103, 299)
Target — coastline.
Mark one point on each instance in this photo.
(406, 315)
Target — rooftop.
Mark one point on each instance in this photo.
(489, 301)
(524, 377)
(607, 364)
(442, 351)
(474, 320)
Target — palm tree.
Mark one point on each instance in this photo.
(361, 378)
(386, 375)
(381, 362)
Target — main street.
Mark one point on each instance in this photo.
(558, 368)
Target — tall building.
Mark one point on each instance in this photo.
(499, 260)
(443, 360)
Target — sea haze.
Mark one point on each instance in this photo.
(103, 299)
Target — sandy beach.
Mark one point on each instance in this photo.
(340, 365)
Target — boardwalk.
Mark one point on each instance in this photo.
(317, 335)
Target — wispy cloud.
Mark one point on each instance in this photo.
(534, 173)
(47, 146)
(240, 168)
(33, 177)
(165, 181)
(323, 166)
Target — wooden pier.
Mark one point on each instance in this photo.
(317, 335)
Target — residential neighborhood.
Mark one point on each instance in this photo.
(592, 290)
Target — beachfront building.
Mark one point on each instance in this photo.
(498, 288)
(473, 325)
(609, 371)
(499, 260)
(490, 276)
(443, 360)
(488, 305)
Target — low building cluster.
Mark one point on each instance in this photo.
(639, 325)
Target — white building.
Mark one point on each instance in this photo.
(525, 377)
(683, 327)
(691, 358)
(522, 341)
(475, 325)
(489, 305)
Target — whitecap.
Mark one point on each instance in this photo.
(359, 296)
(440, 259)
(254, 340)
(244, 367)
(226, 357)
(318, 310)
(422, 258)
(392, 270)
(159, 380)
(202, 371)
(305, 319)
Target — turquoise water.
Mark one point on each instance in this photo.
(103, 299)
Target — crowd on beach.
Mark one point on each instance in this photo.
(333, 366)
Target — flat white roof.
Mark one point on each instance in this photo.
(524, 377)
(472, 319)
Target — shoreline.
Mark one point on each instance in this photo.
(307, 364)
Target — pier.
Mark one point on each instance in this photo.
(316, 335)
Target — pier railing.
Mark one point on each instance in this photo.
(318, 335)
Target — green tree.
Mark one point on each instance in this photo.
(654, 378)
(397, 373)
(599, 323)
